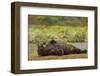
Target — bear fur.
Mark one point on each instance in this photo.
(56, 49)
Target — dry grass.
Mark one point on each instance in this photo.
(71, 56)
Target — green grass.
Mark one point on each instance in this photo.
(38, 33)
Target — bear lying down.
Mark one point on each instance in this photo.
(56, 49)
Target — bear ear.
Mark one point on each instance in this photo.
(53, 42)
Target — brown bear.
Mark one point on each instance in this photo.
(54, 48)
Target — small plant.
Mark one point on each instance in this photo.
(84, 51)
(79, 37)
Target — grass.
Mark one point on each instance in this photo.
(38, 33)
(71, 56)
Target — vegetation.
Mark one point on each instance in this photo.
(43, 33)
(71, 56)
(57, 20)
